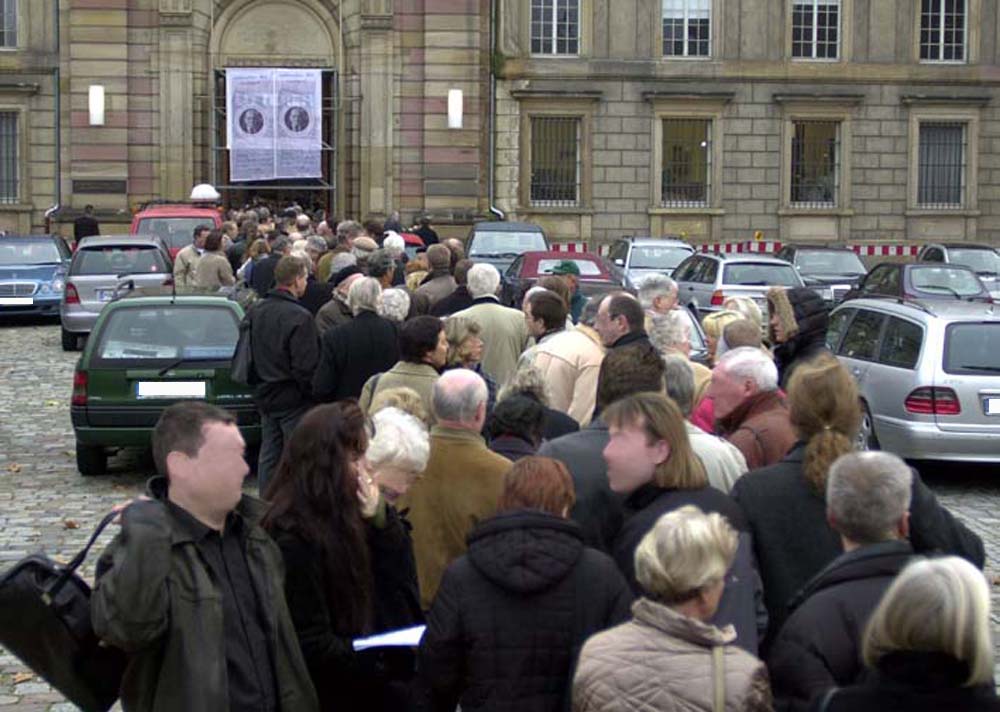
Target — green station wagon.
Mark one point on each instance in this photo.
(146, 353)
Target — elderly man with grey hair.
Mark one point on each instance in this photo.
(658, 294)
(439, 282)
(461, 483)
(723, 462)
(503, 331)
(868, 497)
(352, 353)
(670, 333)
(395, 305)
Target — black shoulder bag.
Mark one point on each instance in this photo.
(241, 369)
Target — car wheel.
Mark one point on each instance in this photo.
(91, 459)
(69, 340)
(867, 439)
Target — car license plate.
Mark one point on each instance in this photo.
(16, 301)
(991, 406)
(104, 295)
(170, 389)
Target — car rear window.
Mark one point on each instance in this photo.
(751, 273)
(945, 281)
(175, 232)
(972, 348)
(499, 244)
(167, 333)
(25, 252)
(645, 257)
(587, 268)
(986, 262)
(829, 262)
(119, 259)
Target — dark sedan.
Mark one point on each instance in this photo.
(922, 280)
(598, 276)
(833, 271)
(32, 274)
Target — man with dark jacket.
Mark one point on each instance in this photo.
(621, 321)
(459, 299)
(438, 283)
(354, 352)
(262, 279)
(192, 588)
(86, 225)
(797, 327)
(597, 509)
(285, 348)
(819, 647)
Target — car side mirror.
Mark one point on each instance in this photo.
(619, 261)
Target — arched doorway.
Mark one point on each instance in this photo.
(279, 34)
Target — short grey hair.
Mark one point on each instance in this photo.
(483, 280)
(669, 331)
(867, 493)
(679, 377)
(394, 244)
(653, 286)
(340, 260)
(400, 440)
(380, 263)
(364, 295)
(526, 380)
(746, 362)
(395, 305)
(348, 230)
(458, 393)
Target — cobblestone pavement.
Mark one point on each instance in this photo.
(45, 504)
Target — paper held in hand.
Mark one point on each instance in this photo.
(402, 638)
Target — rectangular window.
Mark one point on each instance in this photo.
(555, 26)
(941, 165)
(815, 29)
(555, 161)
(687, 163)
(686, 28)
(8, 23)
(815, 164)
(9, 157)
(943, 30)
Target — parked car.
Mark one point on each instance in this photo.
(102, 266)
(597, 275)
(174, 223)
(146, 353)
(412, 244)
(705, 281)
(927, 373)
(643, 256)
(921, 280)
(499, 243)
(982, 259)
(834, 271)
(32, 274)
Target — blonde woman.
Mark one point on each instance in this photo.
(258, 250)
(650, 462)
(670, 656)
(465, 350)
(927, 645)
(713, 324)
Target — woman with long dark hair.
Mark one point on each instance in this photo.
(349, 568)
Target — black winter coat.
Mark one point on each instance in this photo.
(285, 346)
(819, 646)
(558, 424)
(597, 510)
(262, 277)
(511, 615)
(352, 353)
(346, 680)
(793, 541)
(316, 295)
(455, 302)
(812, 316)
(741, 603)
(913, 682)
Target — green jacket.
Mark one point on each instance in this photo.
(156, 600)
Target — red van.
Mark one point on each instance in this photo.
(174, 223)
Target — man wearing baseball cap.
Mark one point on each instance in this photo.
(569, 272)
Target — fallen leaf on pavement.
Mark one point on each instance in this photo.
(996, 580)
(71, 524)
(51, 403)
(13, 467)
(20, 677)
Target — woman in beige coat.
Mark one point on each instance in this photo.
(213, 269)
(668, 657)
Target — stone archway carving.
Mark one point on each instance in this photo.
(288, 33)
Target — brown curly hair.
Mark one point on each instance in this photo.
(825, 412)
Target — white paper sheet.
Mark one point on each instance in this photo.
(403, 638)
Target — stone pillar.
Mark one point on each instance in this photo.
(377, 122)
(176, 116)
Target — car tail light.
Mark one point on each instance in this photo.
(72, 296)
(79, 388)
(717, 298)
(930, 400)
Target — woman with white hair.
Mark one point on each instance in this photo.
(927, 645)
(397, 451)
(669, 657)
(395, 305)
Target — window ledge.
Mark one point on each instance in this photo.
(815, 212)
(554, 210)
(686, 211)
(941, 212)
(818, 60)
(16, 207)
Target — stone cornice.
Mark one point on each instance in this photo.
(817, 97)
(932, 100)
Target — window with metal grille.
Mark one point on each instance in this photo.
(687, 150)
(815, 163)
(555, 26)
(941, 165)
(9, 157)
(815, 29)
(555, 161)
(942, 30)
(686, 28)
(8, 23)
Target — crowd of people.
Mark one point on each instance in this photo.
(582, 516)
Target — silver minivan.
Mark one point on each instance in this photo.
(927, 373)
(705, 281)
(101, 268)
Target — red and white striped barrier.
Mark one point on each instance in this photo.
(748, 247)
(570, 247)
(886, 250)
(756, 247)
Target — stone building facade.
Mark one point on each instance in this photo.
(859, 120)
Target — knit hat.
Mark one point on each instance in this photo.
(364, 244)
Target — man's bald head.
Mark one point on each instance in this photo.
(460, 399)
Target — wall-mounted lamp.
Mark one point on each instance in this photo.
(454, 108)
(95, 101)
